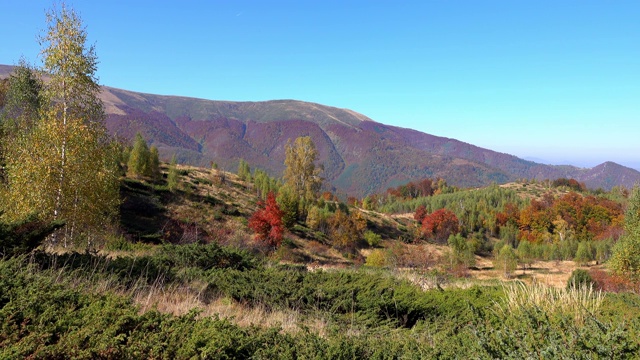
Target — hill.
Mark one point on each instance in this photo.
(360, 156)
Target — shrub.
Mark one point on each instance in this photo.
(579, 278)
(23, 236)
(377, 258)
(372, 238)
(266, 222)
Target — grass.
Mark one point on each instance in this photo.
(579, 302)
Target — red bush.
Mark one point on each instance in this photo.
(607, 282)
(266, 222)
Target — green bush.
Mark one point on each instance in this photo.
(372, 238)
(579, 278)
(24, 236)
(377, 258)
(46, 314)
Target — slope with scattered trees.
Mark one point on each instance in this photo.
(107, 252)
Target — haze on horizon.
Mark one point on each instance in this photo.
(552, 81)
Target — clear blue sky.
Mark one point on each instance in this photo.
(552, 80)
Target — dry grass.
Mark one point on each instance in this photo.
(531, 190)
(576, 301)
(180, 299)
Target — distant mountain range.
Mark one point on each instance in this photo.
(360, 156)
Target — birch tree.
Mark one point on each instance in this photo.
(301, 173)
(66, 169)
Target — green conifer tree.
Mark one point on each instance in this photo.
(139, 158)
(172, 176)
(154, 163)
(625, 257)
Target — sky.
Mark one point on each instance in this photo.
(556, 82)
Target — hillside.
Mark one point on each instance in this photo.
(218, 292)
(352, 147)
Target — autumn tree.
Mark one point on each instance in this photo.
(439, 225)
(346, 229)
(24, 99)
(318, 219)
(301, 173)
(4, 85)
(142, 160)
(266, 222)
(584, 253)
(264, 184)
(525, 254)
(67, 166)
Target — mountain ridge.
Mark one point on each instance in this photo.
(360, 156)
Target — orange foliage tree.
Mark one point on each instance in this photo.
(346, 229)
(266, 222)
(438, 225)
(584, 217)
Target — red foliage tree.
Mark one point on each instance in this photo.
(266, 222)
(420, 213)
(510, 215)
(438, 225)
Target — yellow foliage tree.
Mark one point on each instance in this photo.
(301, 173)
(66, 168)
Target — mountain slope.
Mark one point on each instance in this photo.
(360, 156)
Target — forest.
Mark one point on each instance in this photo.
(109, 252)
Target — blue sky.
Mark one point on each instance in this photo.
(557, 81)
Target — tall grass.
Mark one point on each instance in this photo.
(579, 301)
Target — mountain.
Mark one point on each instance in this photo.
(360, 156)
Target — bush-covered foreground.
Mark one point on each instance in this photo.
(51, 308)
